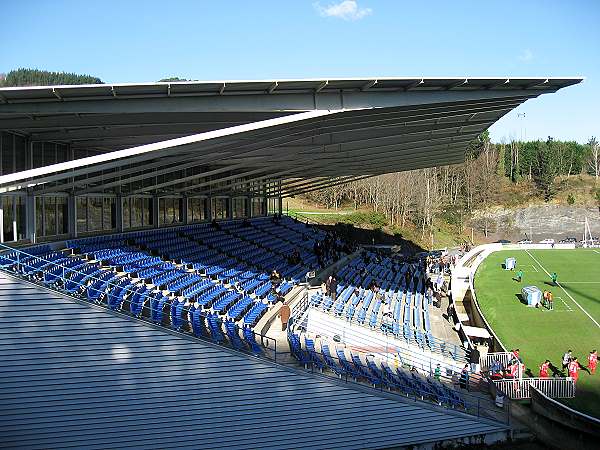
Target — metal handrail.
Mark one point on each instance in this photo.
(518, 388)
(435, 346)
(474, 405)
(69, 272)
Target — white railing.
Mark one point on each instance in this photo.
(489, 359)
(518, 389)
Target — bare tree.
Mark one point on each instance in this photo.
(594, 159)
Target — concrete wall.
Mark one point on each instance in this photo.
(560, 413)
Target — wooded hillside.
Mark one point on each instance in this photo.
(491, 174)
(35, 77)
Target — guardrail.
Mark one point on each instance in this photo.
(249, 341)
(519, 388)
(488, 360)
(407, 333)
(419, 359)
(329, 365)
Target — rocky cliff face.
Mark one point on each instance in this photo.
(538, 222)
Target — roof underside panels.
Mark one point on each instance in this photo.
(76, 376)
(313, 144)
(237, 137)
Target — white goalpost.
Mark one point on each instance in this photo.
(588, 241)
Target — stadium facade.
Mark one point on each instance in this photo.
(126, 332)
(81, 160)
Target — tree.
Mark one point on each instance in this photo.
(35, 77)
(594, 158)
(164, 80)
(545, 167)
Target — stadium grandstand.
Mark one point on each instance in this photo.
(146, 263)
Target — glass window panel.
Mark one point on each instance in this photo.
(81, 214)
(49, 154)
(136, 218)
(147, 211)
(39, 206)
(21, 153)
(107, 219)
(62, 215)
(7, 153)
(21, 218)
(7, 215)
(126, 210)
(50, 216)
(38, 154)
(95, 217)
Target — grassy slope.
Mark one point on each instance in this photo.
(541, 334)
(444, 234)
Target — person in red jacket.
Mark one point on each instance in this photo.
(544, 369)
(574, 369)
(592, 361)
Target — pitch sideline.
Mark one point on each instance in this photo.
(564, 290)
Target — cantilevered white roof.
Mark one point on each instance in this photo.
(284, 86)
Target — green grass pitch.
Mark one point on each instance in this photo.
(540, 333)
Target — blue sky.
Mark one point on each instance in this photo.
(133, 41)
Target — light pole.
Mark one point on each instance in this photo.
(522, 116)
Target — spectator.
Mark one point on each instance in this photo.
(566, 359)
(450, 311)
(437, 373)
(333, 287)
(474, 360)
(275, 278)
(496, 367)
(387, 322)
(464, 377)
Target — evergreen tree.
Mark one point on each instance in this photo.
(35, 77)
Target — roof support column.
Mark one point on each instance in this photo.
(119, 212)
(248, 206)
(72, 215)
(184, 209)
(279, 198)
(229, 203)
(155, 212)
(29, 218)
(208, 209)
(2, 215)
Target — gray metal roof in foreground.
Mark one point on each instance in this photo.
(75, 376)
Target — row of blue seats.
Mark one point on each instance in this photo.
(408, 383)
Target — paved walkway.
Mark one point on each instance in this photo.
(440, 326)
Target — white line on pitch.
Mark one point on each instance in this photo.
(579, 282)
(565, 291)
(569, 309)
(596, 251)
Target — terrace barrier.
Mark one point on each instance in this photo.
(26, 266)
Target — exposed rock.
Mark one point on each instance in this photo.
(538, 221)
